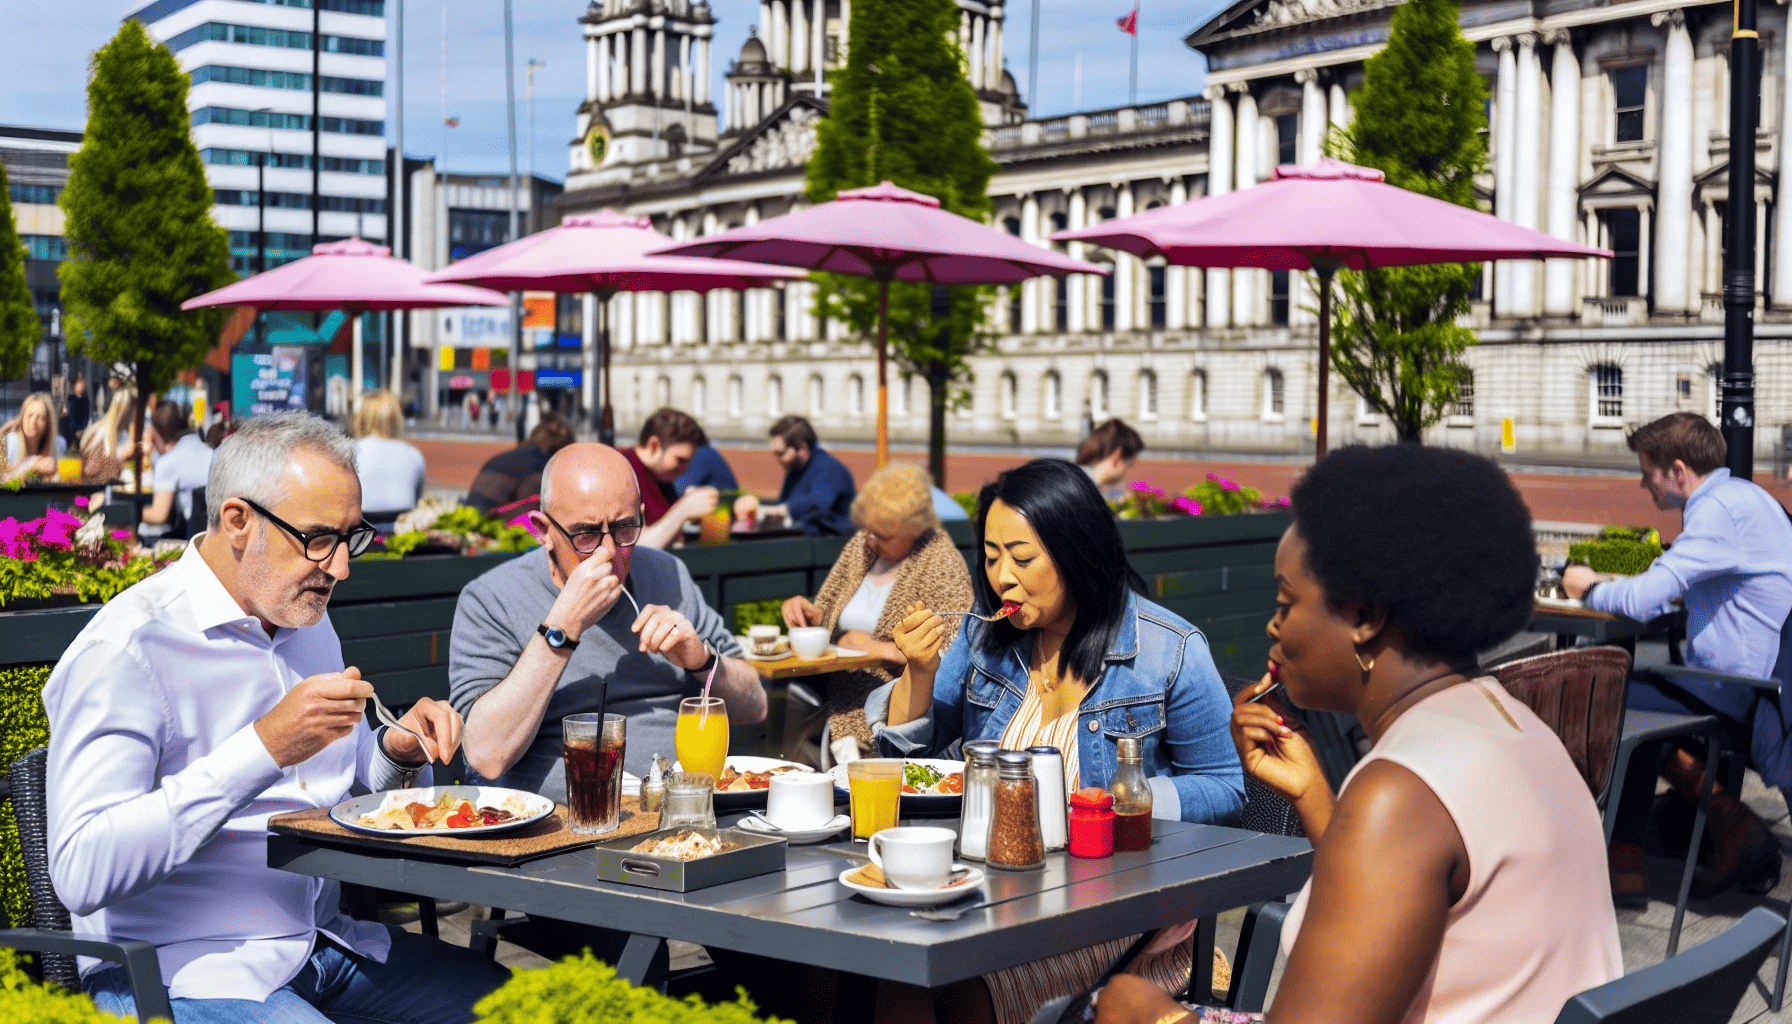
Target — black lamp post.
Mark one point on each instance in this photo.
(1738, 388)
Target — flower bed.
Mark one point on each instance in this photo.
(1214, 496)
(436, 527)
(61, 558)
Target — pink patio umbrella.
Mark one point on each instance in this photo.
(890, 234)
(606, 252)
(351, 275)
(1323, 217)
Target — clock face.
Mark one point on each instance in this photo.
(597, 144)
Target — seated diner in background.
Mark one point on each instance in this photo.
(707, 469)
(30, 442)
(816, 496)
(509, 477)
(1107, 455)
(106, 443)
(899, 556)
(1459, 877)
(209, 696)
(668, 440)
(1080, 661)
(392, 469)
(183, 462)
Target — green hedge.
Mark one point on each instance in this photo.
(26, 1001)
(23, 726)
(582, 988)
(758, 613)
(1626, 552)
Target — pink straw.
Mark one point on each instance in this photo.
(703, 718)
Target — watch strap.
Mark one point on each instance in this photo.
(566, 643)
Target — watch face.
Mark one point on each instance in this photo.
(556, 637)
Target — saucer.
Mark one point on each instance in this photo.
(796, 837)
(746, 649)
(918, 897)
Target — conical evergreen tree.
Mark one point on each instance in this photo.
(19, 327)
(1419, 119)
(140, 230)
(903, 110)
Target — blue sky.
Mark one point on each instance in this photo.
(47, 42)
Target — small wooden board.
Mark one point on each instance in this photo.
(504, 849)
(795, 666)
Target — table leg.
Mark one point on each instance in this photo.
(1200, 982)
(644, 962)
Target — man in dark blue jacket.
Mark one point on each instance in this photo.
(818, 489)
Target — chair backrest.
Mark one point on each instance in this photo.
(1264, 808)
(31, 811)
(1578, 693)
(1703, 985)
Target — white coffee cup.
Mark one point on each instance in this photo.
(809, 641)
(914, 856)
(799, 801)
(763, 639)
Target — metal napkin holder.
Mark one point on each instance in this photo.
(749, 854)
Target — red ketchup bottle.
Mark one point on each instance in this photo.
(1091, 823)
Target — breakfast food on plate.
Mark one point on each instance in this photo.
(925, 780)
(448, 812)
(682, 846)
(733, 780)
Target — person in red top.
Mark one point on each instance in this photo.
(668, 439)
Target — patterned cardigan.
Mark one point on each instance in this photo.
(933, 573)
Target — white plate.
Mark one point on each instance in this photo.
(796, 837)
(743, 799)
(917, 897)
(746, 650)
(348, 813)
(1560, 602)
(942, 766)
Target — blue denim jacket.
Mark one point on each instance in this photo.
(1159, 685)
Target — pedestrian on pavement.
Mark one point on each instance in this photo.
(818, 489)
(668, 439)
(1107, 455)
(516, 474)
(76, 411)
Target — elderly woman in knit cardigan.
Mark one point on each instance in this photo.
(900, 555)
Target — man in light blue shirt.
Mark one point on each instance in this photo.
(1732, 566)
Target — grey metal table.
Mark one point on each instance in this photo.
(803, 915)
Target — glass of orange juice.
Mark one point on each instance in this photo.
(702, 736)
(713, 528)
(69, 467)
(876, 788)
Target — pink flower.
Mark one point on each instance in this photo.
(80, 501)
(120, 535)
(1230, 485)
(1188, 505)
(1211, 476)
(1140, 486)
(26, 555)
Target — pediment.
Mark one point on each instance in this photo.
(1250, 16)
(1615, 181)
(1718, 175)
(782, 142)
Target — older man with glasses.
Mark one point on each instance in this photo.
(206, 698)
(542, 636)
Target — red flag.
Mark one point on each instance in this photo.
(1130, 23)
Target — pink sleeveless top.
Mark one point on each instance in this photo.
(1536, 925)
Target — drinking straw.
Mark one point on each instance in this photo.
(603, 693)
(703, 718)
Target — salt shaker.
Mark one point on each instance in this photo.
(1048, 781)
(979, 804)
(1014, 843)
(653, 789)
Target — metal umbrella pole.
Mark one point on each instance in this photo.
(1738, 413)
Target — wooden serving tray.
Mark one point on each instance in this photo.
(504, 849)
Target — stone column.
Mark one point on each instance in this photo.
(1312, 117)
(1528, 169)
(1674, 188)
(766, 31)
(799, 36)
(658, 87)
(702, 70)
(818, 44)
(1030, 288)
(1219, 182)
(845, 29)
(992, 75)
(1244, 290)
(1505, 163)
(1339, 114)
(637, 67)
(1564, 162)
(1126, 275)
(976, 52)
(1175, 277)
(1782, 206)
(1075, 289)
(593, 69)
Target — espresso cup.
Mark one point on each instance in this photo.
(809, 641)
(800, 801)
(914, 857)
(764, 639)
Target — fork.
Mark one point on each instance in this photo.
(996, 617)
(380, 712)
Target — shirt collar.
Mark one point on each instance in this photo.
(1126, 642)
(212, 604)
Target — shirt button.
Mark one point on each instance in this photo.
(1094, 726)
(302, 784)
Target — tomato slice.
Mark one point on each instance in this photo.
(909, 789)
(953, 783)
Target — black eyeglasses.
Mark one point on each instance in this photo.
(625, 532)
(319, 545)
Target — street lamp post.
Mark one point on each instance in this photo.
(1738, 410)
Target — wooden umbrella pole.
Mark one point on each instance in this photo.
(1326, 266)
(883, 387)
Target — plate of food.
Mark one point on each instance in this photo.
(868, 881)
(931, 786)
(745, 779)
(441, 811)
(779, 652)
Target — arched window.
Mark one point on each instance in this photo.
(1147, 395)
(1098, 395)
(855, 396)
(968, 406)
(1464, 407)
(774, 396)
(1714, 375)
(1052, 397)
(1605, 395)
(1197, 396)
(699, 396)
(1274, 405)
(899, 389)
(1107, 296)
(1009, 392)
(737, 396)
(817, 396)
(662, 391)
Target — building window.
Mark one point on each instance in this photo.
(1714, 374)
(1011, 225)
(1464, 406)
(1107, 297)
(899, 400)
(1052, 397)
(45, 195)
(1015, 294)
(1287, 132)
(779, 300)
(1278, 298)
(1630, 87)
(967, 406)
(1158, 295)
(1010, 396)
(1197, 396)
(774, 396)
(662, 392)
(1061, 304)
(737, 393)
(45, 247)
(1274, 408)
(1147, 395)
(1605, 387)
(855, 396)
(1366, 416)
(1623, 235)
(1098, 395)
(699, 396)
(817, 396)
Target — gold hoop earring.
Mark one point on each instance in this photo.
(1368, 667)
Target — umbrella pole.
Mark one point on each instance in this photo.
(883, 389)
(606, 423)
(1326, 266)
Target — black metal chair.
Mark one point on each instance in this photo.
(1703, 985)
(51, 938)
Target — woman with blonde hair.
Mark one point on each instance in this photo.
(899, 555)
(106, 444)
(30, 439)
(391, 469)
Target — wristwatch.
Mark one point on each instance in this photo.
(557, 638)
(710, 663)
(407, 773)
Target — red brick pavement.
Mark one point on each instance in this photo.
(1561, 497)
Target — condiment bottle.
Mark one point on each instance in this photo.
(1132, 798)
(1048, 777)
(1014, 843)
(653, 789)
(978, 808)
(1091, 823)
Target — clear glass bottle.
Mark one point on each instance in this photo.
(1132, 798)
(1014, 843)
(978, 808)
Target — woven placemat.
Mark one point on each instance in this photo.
(505, 849)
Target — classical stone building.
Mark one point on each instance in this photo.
(1607, 126)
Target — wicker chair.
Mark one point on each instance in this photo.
(52, 939)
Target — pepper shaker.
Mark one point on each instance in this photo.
(1014, 843)
(1048, 781)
